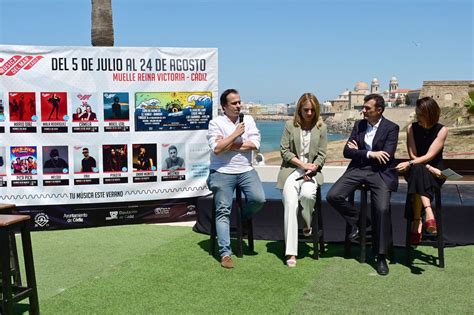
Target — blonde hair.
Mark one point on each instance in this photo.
(311, 98)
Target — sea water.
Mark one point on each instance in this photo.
(271, 132)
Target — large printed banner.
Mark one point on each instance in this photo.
(85, 128)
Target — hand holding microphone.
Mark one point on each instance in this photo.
(240, 128)
(241, 117)
(309, 167)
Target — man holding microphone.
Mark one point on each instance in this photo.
(232, 137)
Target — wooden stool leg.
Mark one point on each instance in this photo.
(439, 227)
(322, 248)
(212, 240)
(7, 299)
(363, 225)
(240, 240)
(347, 241)
(240, 214)
(14, 261)
(30, 269)
(250, 235)
(315, 227)
(407, 243)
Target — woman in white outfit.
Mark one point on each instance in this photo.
(303, 149)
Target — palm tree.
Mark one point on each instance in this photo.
(102, 27)
(469, 103)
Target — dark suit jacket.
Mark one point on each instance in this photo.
(386, 139)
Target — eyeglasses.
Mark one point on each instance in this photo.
(235, 103)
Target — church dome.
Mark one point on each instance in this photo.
(393, 78)
(327, 104)
(375, 80)
(361, 86)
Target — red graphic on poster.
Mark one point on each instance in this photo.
(53, 106)
(22, 106)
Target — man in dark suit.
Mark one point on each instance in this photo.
(371, 147)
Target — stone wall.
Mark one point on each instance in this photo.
(447, 93)
(343, 122)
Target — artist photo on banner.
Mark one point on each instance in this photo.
(144, 163)
(84, 112)
(3, 168)
(24, 167)
(22, 109)
(115, 162)
(2, 114)
(55, 165)
(156, 111)
(173, 167)
(116, 112)
(86, 166)
(54, 112)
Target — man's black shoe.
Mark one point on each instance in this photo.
(354, 233)
(382, 267)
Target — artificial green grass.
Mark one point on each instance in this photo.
(154, 269)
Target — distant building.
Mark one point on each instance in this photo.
(447, 93)
(281, 109)
(398, 94)
(393, 85)
(375, 86)
(326, 107)
(412, 96)
(354, 99)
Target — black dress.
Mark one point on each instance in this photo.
(420, 180)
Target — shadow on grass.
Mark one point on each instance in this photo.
(416, 257)
(277, 248)
(398, 255)
(20, 308)
(206, 244)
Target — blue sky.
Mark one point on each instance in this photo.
(275, 50)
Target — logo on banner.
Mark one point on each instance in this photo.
(41, 219)
(190, 211)
(113, 215)
(17, 63)
(162, 212)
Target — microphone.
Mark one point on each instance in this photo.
(241, 117)
(310, 174)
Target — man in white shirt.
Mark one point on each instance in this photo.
(232, 142)
(371, 148)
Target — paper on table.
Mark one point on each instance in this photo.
(450, 174)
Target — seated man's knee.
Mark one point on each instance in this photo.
(259, 200)
(332, 197)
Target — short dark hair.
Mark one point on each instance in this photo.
(428, 108)
(379, 101)
(173, 147)
(54, 152)
(225, 94)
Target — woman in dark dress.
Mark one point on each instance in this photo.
(425, 143)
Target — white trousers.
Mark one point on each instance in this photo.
(295, 191)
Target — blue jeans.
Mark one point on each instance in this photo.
(223, 186)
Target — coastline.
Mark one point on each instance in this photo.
(272, 117)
